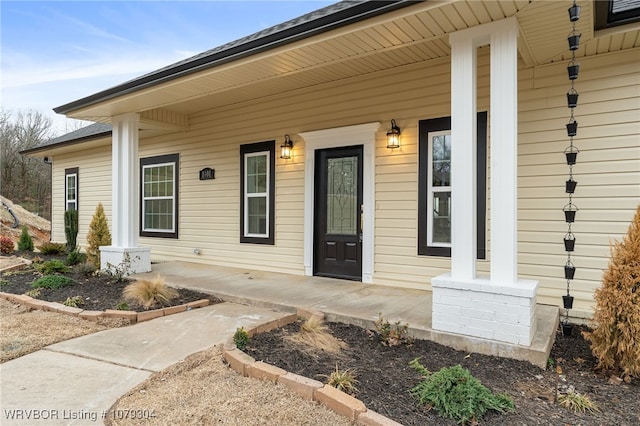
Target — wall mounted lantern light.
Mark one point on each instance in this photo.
(285, 148)
(393, 136)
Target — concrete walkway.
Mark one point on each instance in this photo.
(76, 381)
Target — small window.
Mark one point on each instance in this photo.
(439, 189)
(611, 13)
(159, 196)
(434, 197)
(257, 165)
(71, 189)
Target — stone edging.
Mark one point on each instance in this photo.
(132, 316)
(309, 389)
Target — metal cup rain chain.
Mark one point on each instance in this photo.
(571, 154)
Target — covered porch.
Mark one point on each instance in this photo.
(349, 302)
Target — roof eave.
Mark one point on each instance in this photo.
(351, 15)
(47, 148)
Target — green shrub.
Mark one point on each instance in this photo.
(52, 248)
(97, 236)
(122, 306)
(52, 267)
(25, 243)
(52, 281)
(71, 228)
(75, 257)
(392, 335)
(241, 338)
(456, 394)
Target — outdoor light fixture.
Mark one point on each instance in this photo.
(393, 136)
(285, 148)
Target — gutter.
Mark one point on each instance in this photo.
(358, 12)
(44, 148)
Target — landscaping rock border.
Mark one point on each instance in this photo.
(132, 316)
(309, 389)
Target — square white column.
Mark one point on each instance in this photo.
(499, 307)
(504, 154)
(463, 157)
(125, 193)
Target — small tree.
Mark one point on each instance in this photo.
(71, 229)
(97, 236)
(25, 243)
(614, 340)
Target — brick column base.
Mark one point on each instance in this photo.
(480, 308)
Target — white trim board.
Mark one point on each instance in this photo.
(361, 134)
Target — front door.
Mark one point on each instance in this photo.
(338, 213)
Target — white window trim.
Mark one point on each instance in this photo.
(431, 190)
(256, 194)
(66, 188)
(173, 199)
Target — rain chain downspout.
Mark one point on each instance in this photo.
(571, 154)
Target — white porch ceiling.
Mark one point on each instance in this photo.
(413, 34)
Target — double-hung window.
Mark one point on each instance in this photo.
(257, 167)
(439, 189)
(159, 196)
(71, 189)
(434, 197)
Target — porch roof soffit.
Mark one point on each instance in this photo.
(338, 42)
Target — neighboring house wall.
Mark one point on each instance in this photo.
(607, 171)
(94, 171)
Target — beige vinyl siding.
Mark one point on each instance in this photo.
(607, 171)
(94, 179)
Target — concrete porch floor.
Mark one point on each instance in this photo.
(348, 302)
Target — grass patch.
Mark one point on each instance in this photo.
(149, 293)
(74, 302)
(315, 334)
(343, 380)
(578, 402)
(52, 281)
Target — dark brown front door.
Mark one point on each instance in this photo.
(338, 219)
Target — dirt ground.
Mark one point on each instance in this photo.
(24, 331)
(199, 390)
(202, 390)
(39, 228)
(385, 378)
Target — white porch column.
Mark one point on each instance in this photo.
(499, 307)
(504, 154)
(463, 157)
(125, 195)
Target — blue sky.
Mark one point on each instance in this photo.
(54, 52)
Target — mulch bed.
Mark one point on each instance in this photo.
(385, 377)
(99, 292)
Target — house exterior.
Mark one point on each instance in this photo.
(187, 160)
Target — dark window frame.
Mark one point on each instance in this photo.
(605, 17)
(67, 172)
(441, 124)
(245, 149)
(147, 161)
